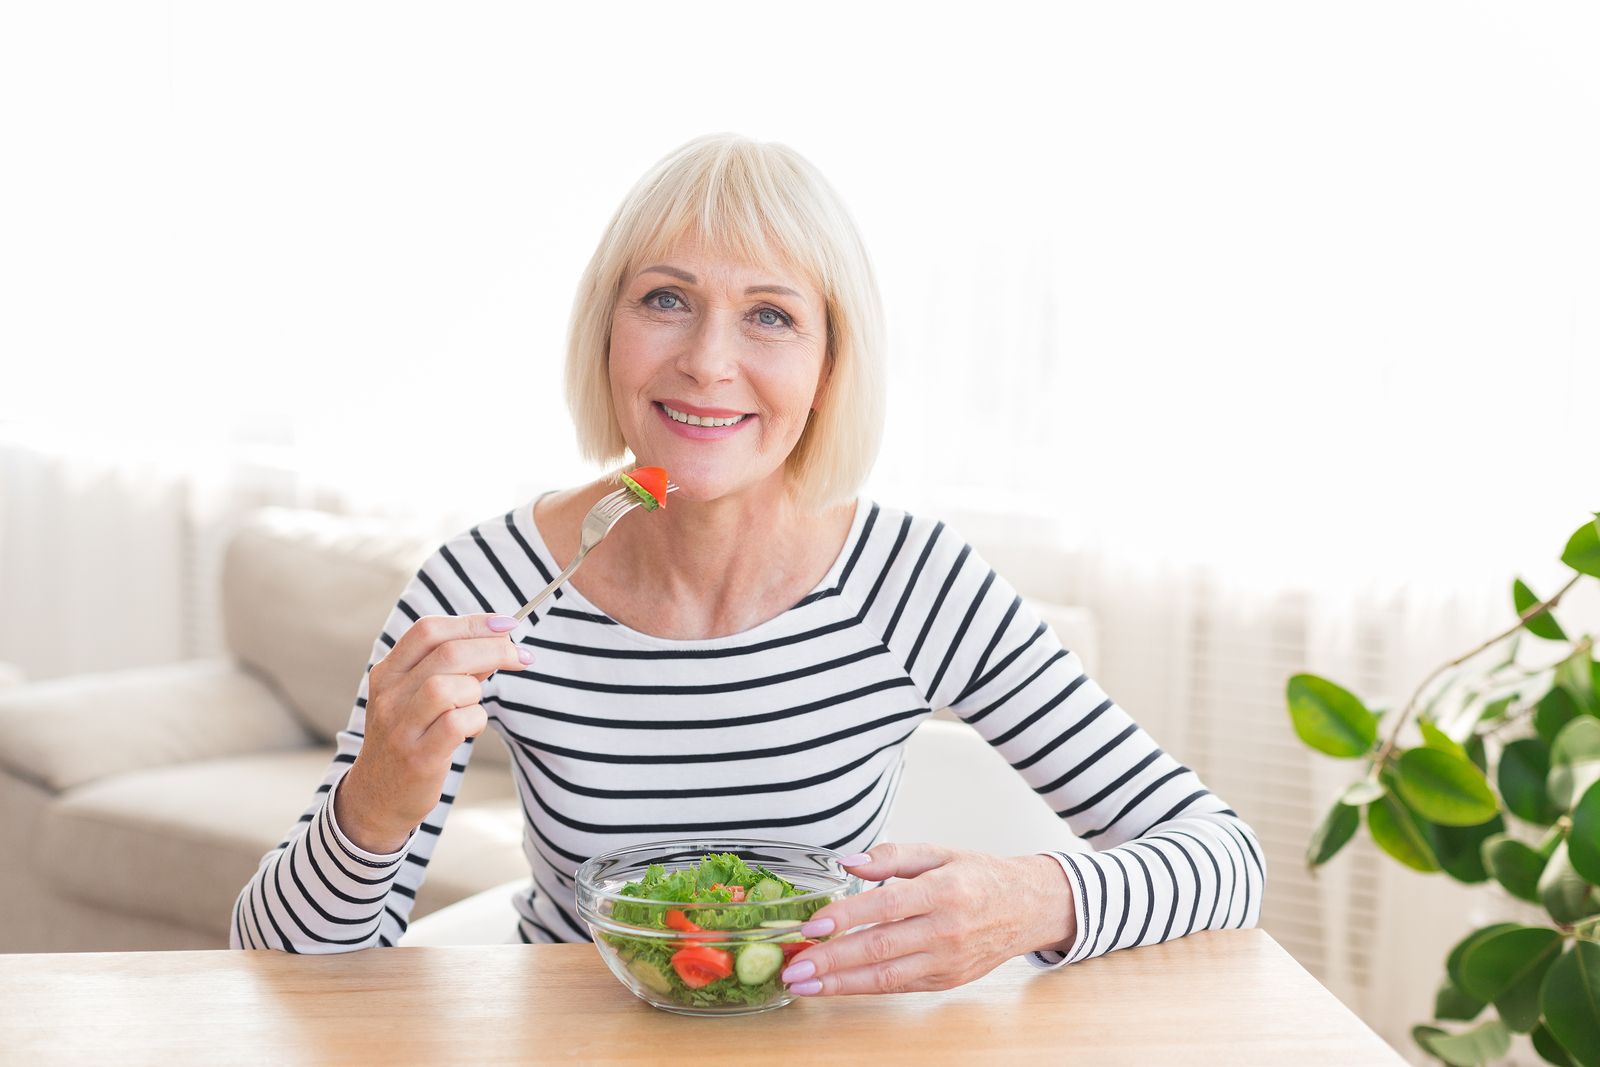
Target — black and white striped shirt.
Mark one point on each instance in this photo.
(793, 730)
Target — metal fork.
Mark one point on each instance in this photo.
(601, 518)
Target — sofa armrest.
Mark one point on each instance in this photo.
(66, 732)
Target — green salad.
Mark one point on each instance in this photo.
(705, 973)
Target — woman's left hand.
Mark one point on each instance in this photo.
(955, 916)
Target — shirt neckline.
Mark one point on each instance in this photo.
(577, 600)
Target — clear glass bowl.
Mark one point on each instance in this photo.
(640, 950)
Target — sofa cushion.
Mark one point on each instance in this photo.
(67, 732)
(304, 597)
(181, 842)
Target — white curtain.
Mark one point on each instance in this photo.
(1278, 324)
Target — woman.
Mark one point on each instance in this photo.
(752, 659)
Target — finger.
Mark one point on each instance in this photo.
(875, 944)
(434, 695)
(446, 733)
(893, 859)
(903, 974)
(431, 631)
(897, 900)
(476, 657)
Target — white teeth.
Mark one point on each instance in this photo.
(696, 420)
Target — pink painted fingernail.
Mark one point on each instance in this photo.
(525, 655)
(797, 971)
(817, 928)
(855, 861)
(501, 623)
(806, 989)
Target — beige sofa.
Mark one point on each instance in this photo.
(138, 802)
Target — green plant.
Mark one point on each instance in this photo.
(1502, 785)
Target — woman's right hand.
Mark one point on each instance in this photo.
(422, 702)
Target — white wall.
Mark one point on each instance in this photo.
(1292, 288)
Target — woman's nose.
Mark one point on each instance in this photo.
(711, 353)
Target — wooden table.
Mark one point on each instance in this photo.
(1230, 997)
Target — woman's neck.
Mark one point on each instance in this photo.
(701, 569)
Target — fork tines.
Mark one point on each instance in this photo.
(626, 498)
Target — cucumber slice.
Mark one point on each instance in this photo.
(757, 962)
(764, 890)
(650, 975)
(790, 926)
(646, 497)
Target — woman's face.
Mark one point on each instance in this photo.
(715, 365)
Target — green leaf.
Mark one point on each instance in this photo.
(1575, 674)
(1496, 709)
(1445, 788)
(1582, 553)
(1435, 738)
(1524, 770)
(1541, 625)
(1330, 719)
(1508, 968)
(1476, 754)
(1574, 761)
(1421, 1034)
(1580, 739)
(1460, 848)
(1563, 891)
(1484, 1042)
(1554, 710)
(1452, 963)
(1335, 832)
(1362, 792)
(1546, 1045)
(1583, 844)
(1450, 1002)
(1395, 830)
(1571, 1002)
(1514, 865)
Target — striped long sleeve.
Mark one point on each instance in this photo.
(794, 729)
(1172, 857)
(319, 892)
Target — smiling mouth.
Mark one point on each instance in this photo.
(696, 420)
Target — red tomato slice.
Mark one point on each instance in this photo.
(736, 892)
(699, 966)
(677, 920)
(652, 480)
(793, 948)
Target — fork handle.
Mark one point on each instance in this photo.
(527, 609)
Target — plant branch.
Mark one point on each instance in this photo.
(1510, 720)
(1405, 714)
(1490, 730)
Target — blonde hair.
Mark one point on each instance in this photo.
(763, 203)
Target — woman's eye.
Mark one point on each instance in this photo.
(664, 301)
(771, 317)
